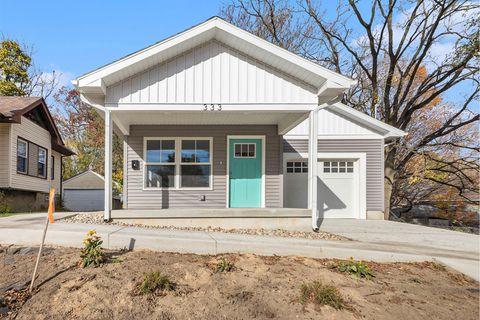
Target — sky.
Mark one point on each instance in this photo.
(74, 37)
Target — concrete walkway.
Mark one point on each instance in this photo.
(383, 241)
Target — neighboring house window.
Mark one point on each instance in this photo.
(42, 162)
(178, 163)
(52, 168)
(22, 156)
(195, 166)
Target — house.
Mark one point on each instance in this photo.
(31, 151)
(203, 116)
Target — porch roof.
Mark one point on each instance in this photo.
(285, 119)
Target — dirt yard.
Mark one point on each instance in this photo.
(258, 287)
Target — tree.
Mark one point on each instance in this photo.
(14, 65)
(18, 74)
(393, 48)
(83, 131)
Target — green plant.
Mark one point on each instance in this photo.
(153, 281)
(4, 205)
(223, 265)
(320, 294)
(357, 268)
(92, 252)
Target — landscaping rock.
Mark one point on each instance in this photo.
(97, 218)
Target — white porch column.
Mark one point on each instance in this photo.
(108, 165)
(312, 166)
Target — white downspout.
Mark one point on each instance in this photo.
(312, 166)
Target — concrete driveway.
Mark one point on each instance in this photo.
(373, 240)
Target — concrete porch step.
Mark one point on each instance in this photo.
(210, 213)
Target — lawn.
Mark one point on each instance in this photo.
(232, 287)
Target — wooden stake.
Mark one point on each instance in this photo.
(39, 254)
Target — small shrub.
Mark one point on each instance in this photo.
(357, 268)
(223, 265)
(322, 295)
(153, 281)
(92, 252)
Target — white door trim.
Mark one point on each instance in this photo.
(360, 174)
(262, 137)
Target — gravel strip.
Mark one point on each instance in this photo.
(97, 218)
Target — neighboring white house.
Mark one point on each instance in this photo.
(84, 192)
(215, 117)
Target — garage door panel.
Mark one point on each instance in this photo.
(83, 200)
(337, 187)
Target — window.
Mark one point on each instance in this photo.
(160, 164)
(297, 167)
(52, 168)
(245, 150)
(22, 156)
(338, 166)
(195, 164)
(178, 163)
(42, 162)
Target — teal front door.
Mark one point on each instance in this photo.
(245, 173)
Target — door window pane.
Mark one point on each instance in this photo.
(159, 176)
(195, 176)
(245, 150)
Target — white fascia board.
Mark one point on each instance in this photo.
(93, 76)
(387, 130)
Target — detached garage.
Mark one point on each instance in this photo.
(349, 164)
(84, 192)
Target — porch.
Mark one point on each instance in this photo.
(231, 218)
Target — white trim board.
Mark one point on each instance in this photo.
(361, 171)
(263, 138)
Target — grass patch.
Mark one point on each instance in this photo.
(2, 215)
(356, 268)
(223, 265)
(154, 282)
(321, 295)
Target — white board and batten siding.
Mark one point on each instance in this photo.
(211, 73)
(332, 124)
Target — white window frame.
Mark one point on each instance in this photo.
(45, 169)
(26, 156)
(178, 162)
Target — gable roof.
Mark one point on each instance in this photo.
(388, 131)
(96, 81)
(13, 108)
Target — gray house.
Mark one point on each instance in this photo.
(215, 117)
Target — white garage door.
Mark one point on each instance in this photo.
(338, 190)
(83, 200)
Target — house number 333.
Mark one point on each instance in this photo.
(212, 107)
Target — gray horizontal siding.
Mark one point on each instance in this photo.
(216, 198)
(374, 152)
